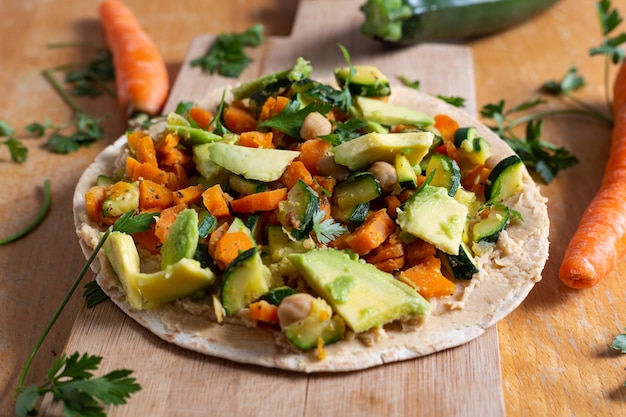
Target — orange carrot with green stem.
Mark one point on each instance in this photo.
(141, 76)
(600, 239)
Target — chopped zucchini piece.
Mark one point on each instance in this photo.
(505, 179)
(320, 326)
(245, 280)
(296, 213)
(358, 188)
(489, 228)
(461, 266)
(407, 177)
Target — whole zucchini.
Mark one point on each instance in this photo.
(406, 22)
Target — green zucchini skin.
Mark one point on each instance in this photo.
(406, 22)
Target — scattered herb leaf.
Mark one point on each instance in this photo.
(80, 395)
(71, 380)
(346, 131)
(227, 55)
(290, 119)
(17, 150)
(619, 343)
(326, 230)
(452, 100)
(94, 294)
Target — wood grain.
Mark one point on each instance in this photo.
(442, 378)
(554, 348)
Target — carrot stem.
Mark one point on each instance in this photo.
(43, 211)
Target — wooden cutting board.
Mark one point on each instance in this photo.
(180, 382)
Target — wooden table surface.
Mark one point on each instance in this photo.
(554, 348)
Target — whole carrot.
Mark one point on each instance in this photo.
(140, 74)
(600, 239)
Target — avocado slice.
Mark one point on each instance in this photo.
(252, 163)
(432, 215)
(180, 279)
(388, 114)
(182, 239)
(361, 294)
(359, 153)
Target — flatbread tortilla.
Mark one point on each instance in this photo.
(507, 274)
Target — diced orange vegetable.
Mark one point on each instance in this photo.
(165, 220)
(148, 240)
(133, 139)
(339, 242)
(94, 198)
(216, 201)
(296, 171)
(202, 117)
(263, 201)
(273, 106)
(427, 279)
(145, 152)
(446, 126)
(229, 246)
(167, 143)
(175, 156)
(189, 195)
(393, 203)
(391, 248)
(418, 250)
(138, 171)
(263, 311)
(324, 185)
(311, 151)
(239, 120)
(154, 195)
(391, 264)
(215, 236)
(372, 233)
(475, 179)
(177, 177)
(256, 139)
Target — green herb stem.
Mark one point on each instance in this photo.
(20, 385)
(560, 112)
(47, 198)
(49, 74)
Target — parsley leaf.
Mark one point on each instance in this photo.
(227, 55)
(94, 294)
(344, 132)
(609, 19)
(452, 100)
(326, 230)
(70, 378)
(290, 119)
(17, 150)
(544, 157)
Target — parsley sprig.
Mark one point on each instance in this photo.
(17, 150)
(326, 230)
(227, 55)
(70, 378)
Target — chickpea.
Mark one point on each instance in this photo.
(327, 166)
(315, 125)
(293, 308)
(385, 173)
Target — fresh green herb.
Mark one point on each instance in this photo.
(91, 78)
(326, 230)
(227, 55)
(216, 123)
(94, 294)
(346, 131)
(540, 155)
(87, 129)
(17, 150)
(452, 100)
(71, 380)
(619, 343)
(43, 211)
(291, 118)
(74, 386)
(183, 107)
(345, 93)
